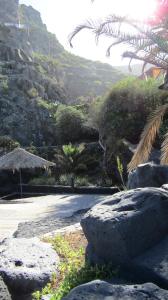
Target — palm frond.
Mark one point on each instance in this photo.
(88, 25)
(149, 43)
(164, 151)
(147, 138)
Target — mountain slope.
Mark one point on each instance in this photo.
(34, 67)
(80, 77)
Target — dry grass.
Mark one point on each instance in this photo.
(73, 269)
(76, 239)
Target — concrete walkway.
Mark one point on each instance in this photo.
(31, 209)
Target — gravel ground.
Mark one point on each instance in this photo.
(46, 212)
(43, 226)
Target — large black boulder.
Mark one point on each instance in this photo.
(148, 175)
(126, 225)
(101, 290)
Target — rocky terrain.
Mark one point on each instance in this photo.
(33, 67)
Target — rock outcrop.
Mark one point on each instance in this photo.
(34, 66)
(125, 226)
(4, 293)
(130, 230)
(9, 12)
(148, 175)
(27, 264)
(101, 290)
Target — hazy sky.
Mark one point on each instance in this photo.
(61, 17)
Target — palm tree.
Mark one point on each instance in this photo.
(70, 161)
(148, 42)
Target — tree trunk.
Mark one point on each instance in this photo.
(72, 182)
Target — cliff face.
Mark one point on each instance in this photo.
(35, 67)
(80, 77)
(9, 11)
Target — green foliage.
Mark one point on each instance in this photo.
(69, 122)
(65, 180)
(146, 42)
(73, 270)
(7, 144)
(4, 86)
(51, 107)
(42, 180)
(70, 151)
(32, 93)
(70, 161)
(82, 181)
(121, 171)
(124, 111)
(121, 115)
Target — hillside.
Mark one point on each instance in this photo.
(80, 77)
(34, 66)
(136, 69)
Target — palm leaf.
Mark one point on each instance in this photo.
(164, 151)
(147, 138)
(149, 43)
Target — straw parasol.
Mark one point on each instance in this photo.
(20, 159)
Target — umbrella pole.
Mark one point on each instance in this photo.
(20, 175)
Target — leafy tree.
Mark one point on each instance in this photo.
(7, 144)
(149, 44)
(69, 122)
(121, 115)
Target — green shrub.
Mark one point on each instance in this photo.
(73, 270)
(121, 115)
(32, 93)
(42, 180)
(65, 180)
(5, 86)
(69, 122)
(82, 181)
(7, 144)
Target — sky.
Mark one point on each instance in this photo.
(62, 16)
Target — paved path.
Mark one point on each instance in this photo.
(31, 209)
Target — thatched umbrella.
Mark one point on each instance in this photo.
(20, 159)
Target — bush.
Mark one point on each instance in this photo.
(7, 144)
(122, 114)
(73, 270)
(69, 122)
(42, 180)
(82, 181)
(65, 180)
(124, 111)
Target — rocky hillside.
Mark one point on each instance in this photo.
(9, 11)
(34, 66)
(80, 77)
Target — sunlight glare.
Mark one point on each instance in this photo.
(142, 9)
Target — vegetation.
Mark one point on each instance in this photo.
(70, 161)
(148, 42)
(69, 122)
(7, 144)
(42, 180)
(121, 171)
(121, 115)
(73, 270)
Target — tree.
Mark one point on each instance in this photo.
(147, 40)
(69, 122)
(70, 161)
(149, 44)
(7, 144)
